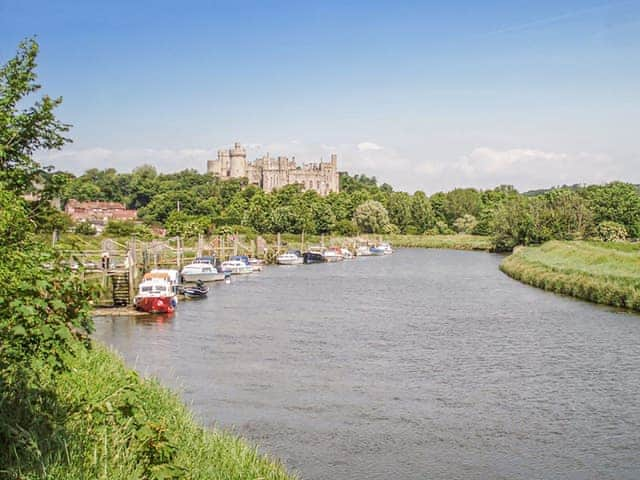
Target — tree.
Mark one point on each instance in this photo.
(461, 202)
(422, 215)
(611, 231)
(399, 208)
(371, 217)
(512, 224)
(616, 202)
(465, 224)
(24, 130)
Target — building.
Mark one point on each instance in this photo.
(272, 173)
(98, 213)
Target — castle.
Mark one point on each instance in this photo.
(272, 173)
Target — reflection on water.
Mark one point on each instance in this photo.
(424, 364)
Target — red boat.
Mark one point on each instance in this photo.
(157, 293)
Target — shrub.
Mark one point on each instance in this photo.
(611, 231)
(85, 228)
(465, 224)
(346, 228)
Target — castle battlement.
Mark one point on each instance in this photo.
(271, 173)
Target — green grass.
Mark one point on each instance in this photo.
(100, 420)
(607, 273)
(456, 242)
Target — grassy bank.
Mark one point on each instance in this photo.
(100, 420)
(607, 273)
(455, 242)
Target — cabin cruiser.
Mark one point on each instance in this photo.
(333, 255)
(346, 254)
(363, 251)
(382, 249)
(254, 263)
(157, 292)
(313, 255)
(201, 270)
(200, 290)
(292, 257)
(236, 267)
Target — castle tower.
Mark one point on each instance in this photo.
(238, 161)
(334, 160)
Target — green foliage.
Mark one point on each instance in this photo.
(188, 226)
(465, 224)
(371, 217)
(346, 228)
(24, 130)
(127, 228)
(512, 224)
(611, 232)
(616, 202)
(85, 228)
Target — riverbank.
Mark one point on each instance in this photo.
(606, 273)
(455, 242)
(103, 421)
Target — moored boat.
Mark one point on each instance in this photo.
(157, 292)
(236, 267)
(313, 257)
(201, 271)
(382, 249)
(346, 254)
(292, 257)
(333, 255)
(200, 290)
(364, 251)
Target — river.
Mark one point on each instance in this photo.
(422, 364)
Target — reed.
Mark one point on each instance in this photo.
(105, 422)
(455, 242)
(606, 273)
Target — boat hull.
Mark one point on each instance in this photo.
(203, 277)
(290, 261)
(311, 257)
(159, 304)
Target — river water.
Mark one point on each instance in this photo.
(423, 364)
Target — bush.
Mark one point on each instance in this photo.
(346, 228)
(611, 232)
(440, 228)
(465, 224)
(390, 229)
(85, 228)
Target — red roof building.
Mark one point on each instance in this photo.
(98, 212)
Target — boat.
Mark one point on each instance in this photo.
(292, 257)
(157, 292)
(236, 267)
(313, 257)
(382, 249)
(363, 251)
(200, 290)
(346, 254)
(256, 264)
(333, 255)
(201, 270)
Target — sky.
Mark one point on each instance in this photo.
(423, 95)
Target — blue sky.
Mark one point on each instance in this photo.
(424, 95)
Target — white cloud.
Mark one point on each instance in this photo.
(485, 167)
(364, 146)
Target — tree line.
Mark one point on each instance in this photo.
(189, 203)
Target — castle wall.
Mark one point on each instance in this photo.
(273, 173)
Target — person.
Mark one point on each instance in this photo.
(105, 260)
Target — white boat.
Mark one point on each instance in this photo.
(236, 267)
(346, 254)
(332, 255)
(256, 264)
(290, 258)
(382, 249)
(364, 251)
(203, 271)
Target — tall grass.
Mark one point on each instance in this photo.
(455, 242)
(607, 273)
(108, 423)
